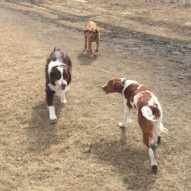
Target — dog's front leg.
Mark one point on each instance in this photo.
(85, 37)
(97, 45)
(51, 109)
(63, 97)
(90, 48)
(125, 114)
(52, 114)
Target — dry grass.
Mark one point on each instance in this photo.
(85, 150)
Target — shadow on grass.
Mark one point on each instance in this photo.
(85, 59)
(132, 164)
(41, 132)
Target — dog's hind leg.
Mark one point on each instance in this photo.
(148, 133)
(146, 139)
(156, 134)
(160, 129)
(154, 165)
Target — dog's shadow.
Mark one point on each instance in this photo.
(131, 164)
(41, 132)
(85, 59)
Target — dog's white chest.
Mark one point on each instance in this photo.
(55, 88)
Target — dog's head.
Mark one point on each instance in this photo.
(61, 76)
(92, 30)
(93, 35)
(113, 85)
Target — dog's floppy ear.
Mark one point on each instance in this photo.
(113, 86)
(56, 49)
(53, 76)
(69, 76)
(116, 86)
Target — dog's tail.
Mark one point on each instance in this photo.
(153, 113)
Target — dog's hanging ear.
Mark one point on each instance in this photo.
(52, 77)
(117, 86)
(68, 76)
(114, 86)
(56, 49)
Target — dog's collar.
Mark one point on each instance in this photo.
(123, 80)
(126, 84)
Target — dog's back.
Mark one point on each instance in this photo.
(57, 54)
(91, 26)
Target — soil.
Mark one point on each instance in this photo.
(146, 41)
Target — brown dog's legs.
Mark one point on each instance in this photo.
(90, 48)
(85, 46)
(97, 45)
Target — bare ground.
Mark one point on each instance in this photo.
(85, 150)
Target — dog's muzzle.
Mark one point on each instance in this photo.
(63, 86)
(104, 88)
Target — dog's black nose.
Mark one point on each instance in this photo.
(63, 86)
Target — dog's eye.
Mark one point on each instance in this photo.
(66, 76)
(57, 75)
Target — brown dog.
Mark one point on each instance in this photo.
(91, 34)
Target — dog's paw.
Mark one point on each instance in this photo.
(64, 101)
(121, 125)
(129, 121)
(154, 144)
(91, 56)
(53, 117)
(154, 169)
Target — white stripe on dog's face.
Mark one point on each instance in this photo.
(61, 81)
(52, 64)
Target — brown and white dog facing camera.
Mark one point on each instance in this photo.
(58, 77)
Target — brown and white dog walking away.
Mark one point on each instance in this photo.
(91, 34)
(137, 96)
(58, 77)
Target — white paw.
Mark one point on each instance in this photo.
(53, 117)
(129, 121)
(154, 144)
(64, 101)
(121, 125)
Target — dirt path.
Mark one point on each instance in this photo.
(85, 149)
